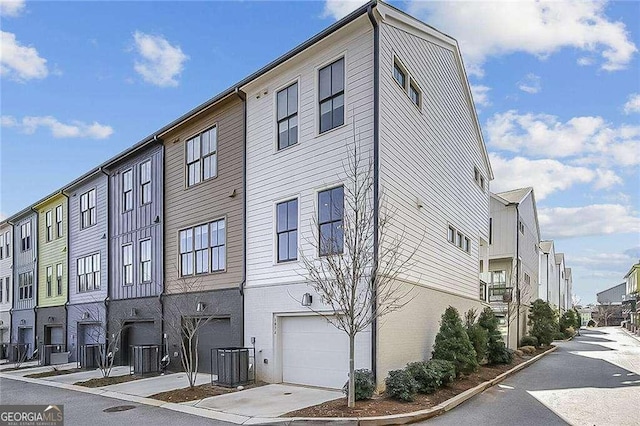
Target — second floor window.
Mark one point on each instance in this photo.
(6, 288)
(88, 208)
(330, 215)
(203, 248)
(25, 236)
(49, 281)
(202, 157)
(127, 264)
(59, 225)
(287, 230)
(145, 261)
(25, 286)
(498, 282)
(89, 273)
(49, 224)
(7, 244)
(127, 190)
(145, 182)
(59, 278)
(2, 255)
(288, 116)
(331, 95)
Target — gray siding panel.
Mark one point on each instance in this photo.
(25, 261)
(135, 225)
(91, 240)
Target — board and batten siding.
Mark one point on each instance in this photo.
(87, 241)
(52, 253)
(6, 270)
(209, 200)
(25, 261)
(529, 244)
(143, 222)
(427, 159)
(316, 162)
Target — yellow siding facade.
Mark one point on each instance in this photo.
(52, 251)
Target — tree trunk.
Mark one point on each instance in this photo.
(351, 400)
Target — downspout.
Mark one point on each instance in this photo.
(376, 178)
(66, 303)
(547, 268)
(517, 275)
(13, 279)
(243, 98)
(106, 299)
(36, 281)
(163, 330)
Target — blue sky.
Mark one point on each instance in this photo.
(557, 87)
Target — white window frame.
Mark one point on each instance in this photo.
(146, 262)
(199, 159)
(289, 117)
(127, 190)
(188, 255)
(7, 244)
(2, 246)
(127, 264)
(48, 225)
(59, 277)
(25, 285)
(88, 209)
(288, 231)
(88, 273)
(49, 281)
(59, 221)
(25, 236)
(145, 182)
(319, 101)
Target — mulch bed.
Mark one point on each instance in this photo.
(106, 381)
(383, 405)
(197, 393)
(54, 372)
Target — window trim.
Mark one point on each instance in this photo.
(48, 225)
(413, 85)
(25, 239)
(126, 192)
(124, 266)
(317, 216)
(403, 70)
(59, 223)
(59, 279)
(193, 250)
(343, 55)
(275, 114)
(276, 242)
(198, 134)
(82, 226)
(149, 182)
(85, 273)
(141, 262)
(49, 280)
(7, 244)
(23, 286)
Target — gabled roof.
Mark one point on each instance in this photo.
(546, 246)
(559, 258)
(515, 195)
(633, 268)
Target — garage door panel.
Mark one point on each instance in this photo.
(315, 353)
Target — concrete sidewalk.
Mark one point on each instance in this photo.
(154, 385)
(35, 368)
(82, 376)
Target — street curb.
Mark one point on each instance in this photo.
(393, 419)
(630, 334)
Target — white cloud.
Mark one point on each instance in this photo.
(546, 176)
(490, 29)
(480, 94)
(595, 219)
(632, 104)
(338, 9)
(591, 138)
(59, 130)
(20, 62)
(530, 84)
(605, 261)
(159, 62)
(11, 8)
(585, 61)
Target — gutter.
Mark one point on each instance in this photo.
(243, 97)
(107, 240)
(517, 275)
(66, 303)
(376, 178)
(35, 280)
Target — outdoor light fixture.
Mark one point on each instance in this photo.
(157, 219)
(23, 322)
(134, 312)
(307, 299)
(51, 319)
(85, 315)
(200, 307)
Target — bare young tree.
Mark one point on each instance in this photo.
(517, 303)
(344, 271)
(605, 312)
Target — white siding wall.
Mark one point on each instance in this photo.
(528, 250)
(315, 163)
(428, 157)
(548, 281)
(503, 239)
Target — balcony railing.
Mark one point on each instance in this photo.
(500, 293)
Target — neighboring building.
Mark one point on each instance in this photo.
(610, 305)
(25, 279)
(6, 291)
(548, 290)
(303, 110)
(587, 314)
(88, 242)
(136, 246)
(560, 281)
(568, 285)
(630, 303)
(52, 274)
(204, 225)
(514, 260)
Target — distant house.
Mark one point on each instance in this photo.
(548, 289)
(610, 305)
(632, 295)
(561, 283)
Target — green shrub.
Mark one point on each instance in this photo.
(497, 352)
(558, 335)
(478, 336)
(427, 378)
(542, 322)
(568, 319)
(529, 341)
(453, 344)
(364, 385)
(569, 332)
(446, 370)
(400, 385)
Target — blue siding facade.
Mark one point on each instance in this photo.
(24, 261)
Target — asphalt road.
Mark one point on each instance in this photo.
(84, 409)
(591, 380)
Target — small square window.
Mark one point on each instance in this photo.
(467, 245)
(451, 236)
(399, 75)
(459, 239)
(415, 95)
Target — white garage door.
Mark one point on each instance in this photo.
(315, 353)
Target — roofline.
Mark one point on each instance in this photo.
(633, 267)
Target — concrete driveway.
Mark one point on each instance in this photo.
(269, 400)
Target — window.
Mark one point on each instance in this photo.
(202, 156)
(490, 230)
(467, 245)
(331, 95)
(25, 286)
(331, 206)
(25, 236)
(49, 224)
(2, 289)
(288, 116)
(88, 208)
(287, 230)
(498, 283)
(459, 239)
(451, 235)
(527, 279)
(399, 75)
(1, 246)
(145, 261)
(477, 176)
(6, 289)
(521, 227)
(145, 182)
(127, 264)
(7, 245)
(127, 190)
(59, 225)
(49, 281)
(203, 248)
(59, 278)
(415, 95)
(89, 273)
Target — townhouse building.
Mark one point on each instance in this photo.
(548, 289)
(25, 281)
(630, 301)
(51, 314)
(514, 260)
(560, 281)
(610, 309)
(88, 260)
(136, 268)
(397, 89)
(568, 285)
(6, 279)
